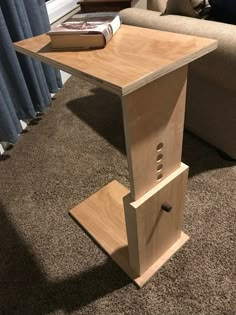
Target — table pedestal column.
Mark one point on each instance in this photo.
(141, 228)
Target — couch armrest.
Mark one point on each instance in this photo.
(218, 66)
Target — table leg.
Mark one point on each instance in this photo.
(138, 229)
(153, 120)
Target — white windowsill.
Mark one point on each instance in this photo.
(58, 8)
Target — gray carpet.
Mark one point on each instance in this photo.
(48, 265)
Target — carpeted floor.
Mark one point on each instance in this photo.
(48, 265)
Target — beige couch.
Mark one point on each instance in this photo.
(211, 93)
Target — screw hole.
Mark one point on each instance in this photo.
(159, 177)
(160, 156)
(160, 146)
(159, 167)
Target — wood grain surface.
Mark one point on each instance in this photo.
(151, 230)
(154, 116)
(134, 57)
(102, 216)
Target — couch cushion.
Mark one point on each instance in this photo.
(224, 10)
(157, 5)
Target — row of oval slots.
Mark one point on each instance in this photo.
(159, 160)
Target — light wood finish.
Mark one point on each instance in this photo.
(151, 230)
(154, 114)
(102, 216)
(148, 69)
(146, 276)
(106, 225)
(133, 58)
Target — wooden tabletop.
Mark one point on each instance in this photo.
(134, 57)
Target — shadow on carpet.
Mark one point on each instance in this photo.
(102, 111)
(48, 265)
(40, 295)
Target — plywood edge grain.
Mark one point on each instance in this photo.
(142, 280)
(84, 214)
(183, 167)
(101, 83)
(129, 88)
(37, 47)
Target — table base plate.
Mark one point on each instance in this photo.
(102, 216)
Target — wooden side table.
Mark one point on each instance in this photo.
(140, 229)
(88, 6)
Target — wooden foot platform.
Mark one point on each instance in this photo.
(102, 216)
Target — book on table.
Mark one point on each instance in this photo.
(85, 31)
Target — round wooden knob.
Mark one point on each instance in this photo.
(166, 207)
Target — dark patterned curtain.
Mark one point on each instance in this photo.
(25, 83)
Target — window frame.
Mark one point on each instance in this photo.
(58, 8)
